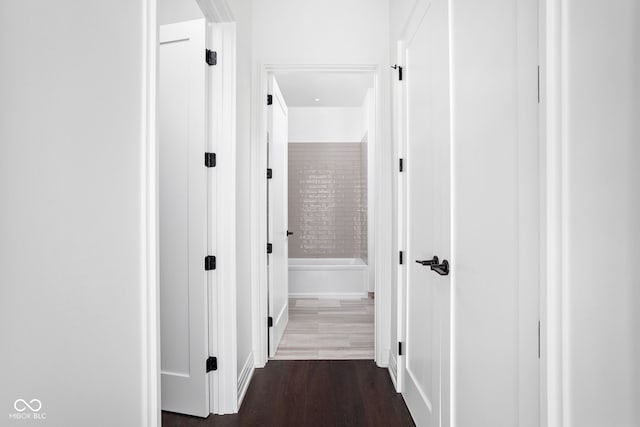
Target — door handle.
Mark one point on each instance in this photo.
(432, 261)
(442, 269)
(289, 233)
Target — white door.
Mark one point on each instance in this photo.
(278, 190)
(183, 218)
(425, 368)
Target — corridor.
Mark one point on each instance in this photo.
(312, 393)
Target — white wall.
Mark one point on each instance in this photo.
(325, 124)
(172, 11)
(72, 158)
(327, 32)
(599, 119)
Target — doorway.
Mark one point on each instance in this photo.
(321, 286)
(196, 240)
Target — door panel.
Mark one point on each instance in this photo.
(183, 218)
(426, 365)
(278, 191)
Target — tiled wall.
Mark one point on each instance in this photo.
(364, 246)
(327, 200)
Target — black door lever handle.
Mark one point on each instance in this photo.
(432, 261)
(441, 269)
(289, 233)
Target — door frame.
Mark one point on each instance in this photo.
(221, 126)
(397, 363)
(554, 333)
(379, 239)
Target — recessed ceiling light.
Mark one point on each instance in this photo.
(316, 99)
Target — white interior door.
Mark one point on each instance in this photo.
(278, 206)
(425, 369)
(183, 218)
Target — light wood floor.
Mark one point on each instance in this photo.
(328, 329)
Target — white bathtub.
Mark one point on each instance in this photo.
(328, 277)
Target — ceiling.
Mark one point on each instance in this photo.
(300, 89)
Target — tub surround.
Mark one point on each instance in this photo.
(327, 200)
(328, 278)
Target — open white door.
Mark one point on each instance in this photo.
(183, 218)
(278, 215)
(425, 368)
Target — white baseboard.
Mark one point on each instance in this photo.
(393, 369)
(346, 295)
(245, 378)
(383, 358)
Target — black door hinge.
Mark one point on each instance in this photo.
(269, 99)
(538, 84)
(399, 348)
(212, 364)
(210, 160)
(401, 165)
(211, 57)
(399, 68)
(269, 173)
(209, 262)
(270, 322)
(401, 258)
(269, 248)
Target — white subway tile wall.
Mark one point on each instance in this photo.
(328, 200)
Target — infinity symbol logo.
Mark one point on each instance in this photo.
(21, 405)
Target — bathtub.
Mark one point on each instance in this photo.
(328, 277)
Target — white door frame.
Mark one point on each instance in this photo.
(396, 363)
(222, 127)
(552, 27)
(221, 99)
(377, 200)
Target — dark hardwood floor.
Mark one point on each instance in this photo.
(312, 393)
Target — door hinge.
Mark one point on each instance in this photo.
(399, 348)
(538, 84)
(270, 322)
(269, 99)
(401, 258)
(538, 339)
(269, 173)
(210, 160)
(269, 248)
(211, 57)
(209, 262)
(399, 68)
(212, 364)
(401, 165)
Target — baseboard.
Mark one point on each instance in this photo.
(383, 358)
(245, 378)
(393, 369)
(345, 295)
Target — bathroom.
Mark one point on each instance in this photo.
(331, 134)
